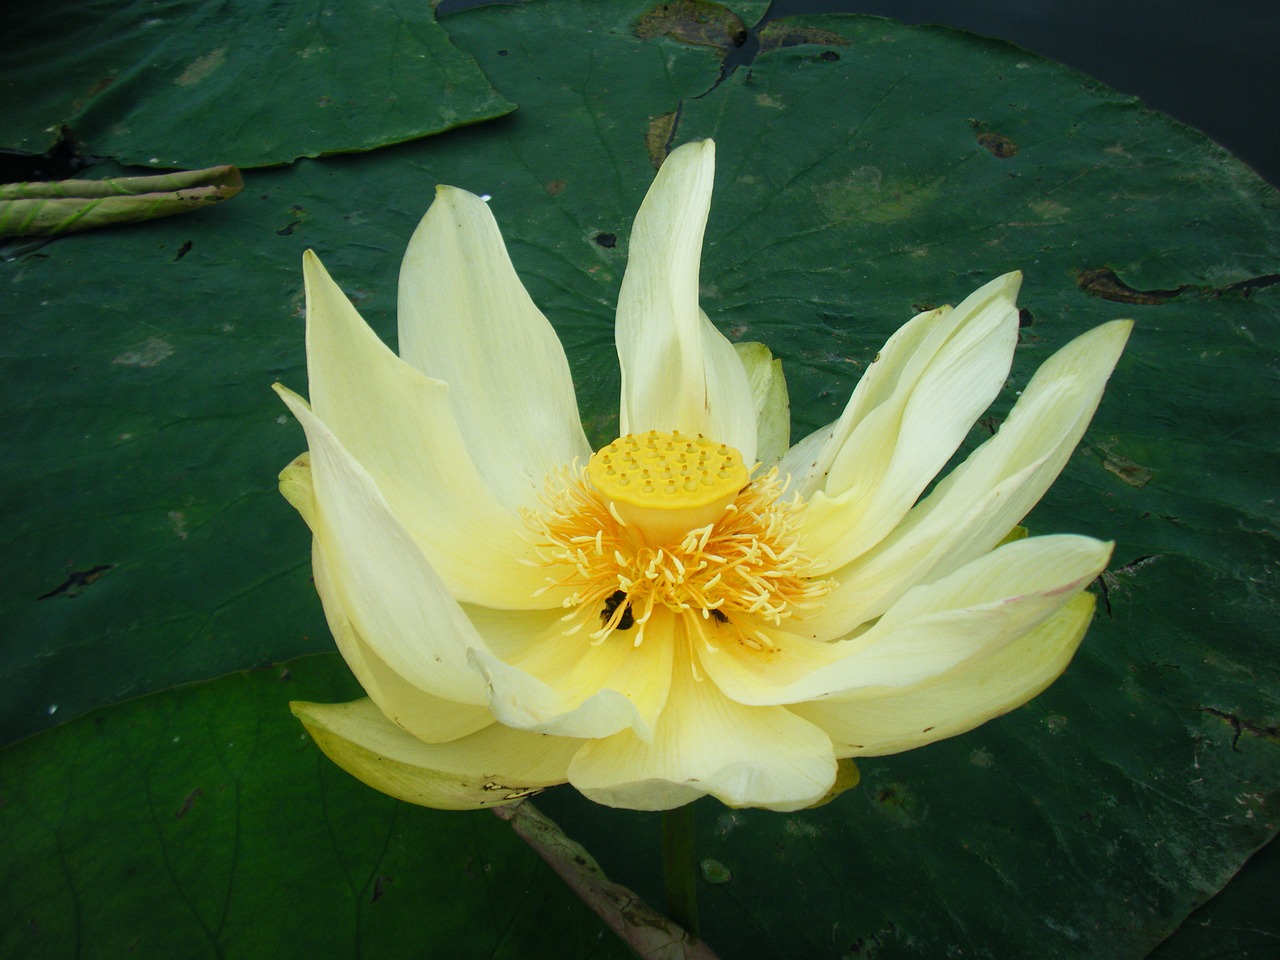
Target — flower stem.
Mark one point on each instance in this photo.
(677, 867)
(651, 935)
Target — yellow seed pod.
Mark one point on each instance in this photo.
(667, 484)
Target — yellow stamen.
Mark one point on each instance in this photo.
(740, 571)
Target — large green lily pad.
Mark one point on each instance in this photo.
(866, 170)
(200, 822)
(195, 83)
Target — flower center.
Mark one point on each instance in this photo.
(664, 521)
(666, 484)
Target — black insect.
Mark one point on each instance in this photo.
(719, 617)
(615, 600)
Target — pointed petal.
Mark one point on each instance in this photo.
(971, 511)
(772, 403)
(678, 371)
(466, 319)
(910, 420)
(706, 743)
(488, 768)
(400, 426)
(957, 701)
(931, 630)
(565, 686)
(809, 473)
(429, 718)
(380, 579)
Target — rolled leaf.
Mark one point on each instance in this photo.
(67, 206)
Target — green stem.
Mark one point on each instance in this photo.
(678, 869)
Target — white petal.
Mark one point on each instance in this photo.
(565, 686)
(970, 511)
(910, 421)
(379, 576)
(932, 629)
(771, 401)
(957, 701)
(678, 371)
(706, 743)
(466, 319)
(488, 768)
(400, 426)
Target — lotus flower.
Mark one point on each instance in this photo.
(693, 609)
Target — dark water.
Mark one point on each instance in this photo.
(1210, 63)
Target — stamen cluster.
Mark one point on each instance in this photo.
(741, 572)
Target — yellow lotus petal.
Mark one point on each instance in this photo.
(706, 743)
(977, 504)
(678, 371)
(772, 403)
(430, 718)
(570, 670)
(955, 702)
(848, 776)
(930, 631)
(488, 768)
(401, 427)
(908, 423)
(466, 320)
(380, 578)
(566, 687)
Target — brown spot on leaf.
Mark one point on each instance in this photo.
(777, 34)
(555, 187)
(1002, 148)
(201, 67)
(694, 22)
(658, 137)
(1127, 470)
(1103, 282)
